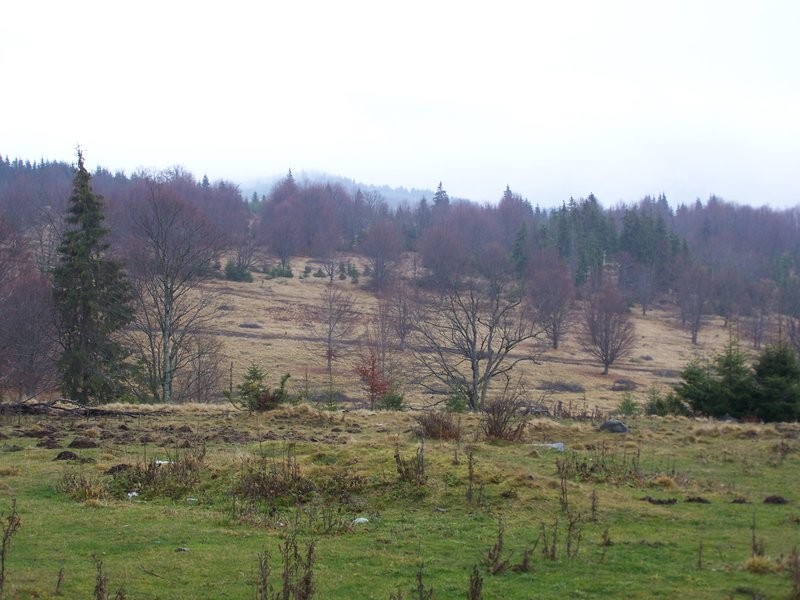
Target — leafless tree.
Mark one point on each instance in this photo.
(329, 263)
(468, 335)
(759, 306)
(608, 333)
(399, 307)
(378, 362)
(245, 247)
(551, 292)
(46, 234)
(336, 320)
(383, 247)
(27, 337)
(173, 248)
(694, 290)
(199, 380)
(27, 357)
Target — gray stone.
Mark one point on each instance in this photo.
(614, 426)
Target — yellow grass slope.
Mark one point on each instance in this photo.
(274, 323)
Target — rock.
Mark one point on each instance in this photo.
(66, 455)
(624, 385)
(614, 426)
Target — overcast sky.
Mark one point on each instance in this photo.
(553, 98)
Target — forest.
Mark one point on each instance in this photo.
(532, 268)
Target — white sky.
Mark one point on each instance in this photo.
(554, 98)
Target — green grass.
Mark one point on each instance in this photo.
(654, 550)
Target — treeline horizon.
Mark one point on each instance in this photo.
(705, 258)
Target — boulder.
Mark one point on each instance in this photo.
(614, 426)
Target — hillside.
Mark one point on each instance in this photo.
(272, 323)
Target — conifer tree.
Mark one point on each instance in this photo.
(91, 295)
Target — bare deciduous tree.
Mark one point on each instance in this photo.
(383, 247)
(551, 290)
(694, 289)
(608, 333)
(335, 321)
(174, 247)
(469, 335)
(400, 310)
(27, 347)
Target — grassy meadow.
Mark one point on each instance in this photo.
(203, 501)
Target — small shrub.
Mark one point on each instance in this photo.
(234, 272)
(392, 401)
(297, 577)
(456, 401)
(439, 425)
(279, 271)
(494, 560)
(760, 565)
(170, 478)
(9, 529)
(253, 395)
(502, 418)
(80, 487)
(275, 481)
(411, 470)
(628, 407)
(662, 406)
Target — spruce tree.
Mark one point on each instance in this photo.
(92, 300)
(777, 376)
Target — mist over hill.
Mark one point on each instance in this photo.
(394, 196)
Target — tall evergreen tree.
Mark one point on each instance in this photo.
(777, 377)
(91, 295)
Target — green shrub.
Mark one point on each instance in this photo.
(234, 272)
(661, 406)
(391, 401)
(253, 395)
(628, 407)
(457, 401)
(279, 271)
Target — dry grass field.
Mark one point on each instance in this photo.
(272, 323)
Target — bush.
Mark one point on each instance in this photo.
(279, 271)
(662, 406)
(457, 401)
(729, 386)
(234, 272)
(502, 417)
(253, 395)
(439, 425)
(391, 401)
(627, 407)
